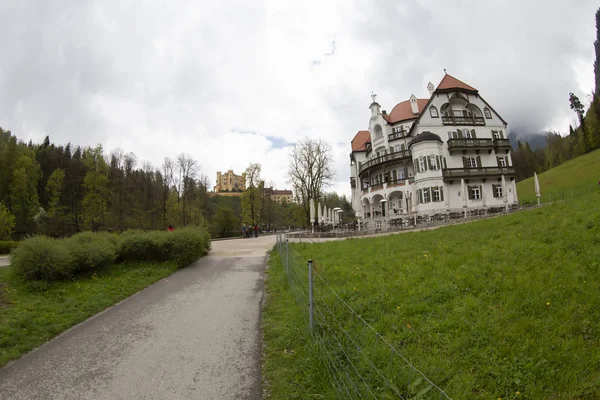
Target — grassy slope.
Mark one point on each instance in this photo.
(485, 309)
(30, 317)
(574, 174)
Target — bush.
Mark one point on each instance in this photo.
(6, 246)
(42, 258)
(92, 250)
(183, 246)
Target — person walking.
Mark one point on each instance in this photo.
(255, 230)
(244, 231)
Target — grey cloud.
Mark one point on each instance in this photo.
(522, 62)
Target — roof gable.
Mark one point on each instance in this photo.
(360, 140)
(450, 82)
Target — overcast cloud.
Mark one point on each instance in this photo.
(232, 83)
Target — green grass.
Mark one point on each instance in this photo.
(33, 313)
(574, 174)
(485, 309)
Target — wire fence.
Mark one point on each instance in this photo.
(361, 363)
(551, 196)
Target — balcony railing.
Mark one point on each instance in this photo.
(376, 186)
(397, 155)
(501, 144)
(462, 120)
(398, 135)
(469, 144)
(449, 173)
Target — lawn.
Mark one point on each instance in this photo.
(574, 175)
(502, 308)
(33, 313)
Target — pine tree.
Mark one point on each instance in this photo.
(597, 49)
(95, 184)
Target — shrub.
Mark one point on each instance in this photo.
(6, 246)
(42, 258)
(183, 246)
(92, 250)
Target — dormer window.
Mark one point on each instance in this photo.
(487, 113)
(433, 112)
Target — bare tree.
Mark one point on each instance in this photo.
(310, 170)
(252, 175)
(188, 168)
(251, 198)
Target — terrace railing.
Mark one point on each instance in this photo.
(397, 155)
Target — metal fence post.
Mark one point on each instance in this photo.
(310, 295)
(287, 254)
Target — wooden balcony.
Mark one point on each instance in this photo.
(502, 145)
(462, 120)
(470, 144)
(453, 173)
(397, 155)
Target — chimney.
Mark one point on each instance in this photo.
(430, 88)
(413, 104)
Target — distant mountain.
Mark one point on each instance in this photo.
(536, 140)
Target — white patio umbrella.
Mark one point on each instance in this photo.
(320, 213)
(504, 196)
(514, 190)
(311, 205)
(463, 189)
(536, 183)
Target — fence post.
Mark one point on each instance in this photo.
(310, 296)
(287, 254)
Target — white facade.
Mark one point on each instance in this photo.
(446, 153)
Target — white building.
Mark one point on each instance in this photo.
(442, 154)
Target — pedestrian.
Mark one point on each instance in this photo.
(243, 231)
(255, 230)
(170, 228)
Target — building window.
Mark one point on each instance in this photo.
(378, 132)
(487, 113)
(497, 191)
(426, 195)
(433, 112)
(432, 164)
(471, 162)
(474, 192)
(501, 161)
(436, 194)
(422, 165)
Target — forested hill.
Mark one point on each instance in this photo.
(60, 190)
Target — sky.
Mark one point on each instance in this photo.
(234, 82)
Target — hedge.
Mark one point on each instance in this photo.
(6, 246)
(183, 246)
(42, 258)
(46, 259)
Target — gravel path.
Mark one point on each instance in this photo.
(193, 335)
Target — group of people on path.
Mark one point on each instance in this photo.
(247, 231)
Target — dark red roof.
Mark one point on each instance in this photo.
(360, 141)
(450, 82)
(403, 111)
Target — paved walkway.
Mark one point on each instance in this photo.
(193, 335)
(4, 262)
